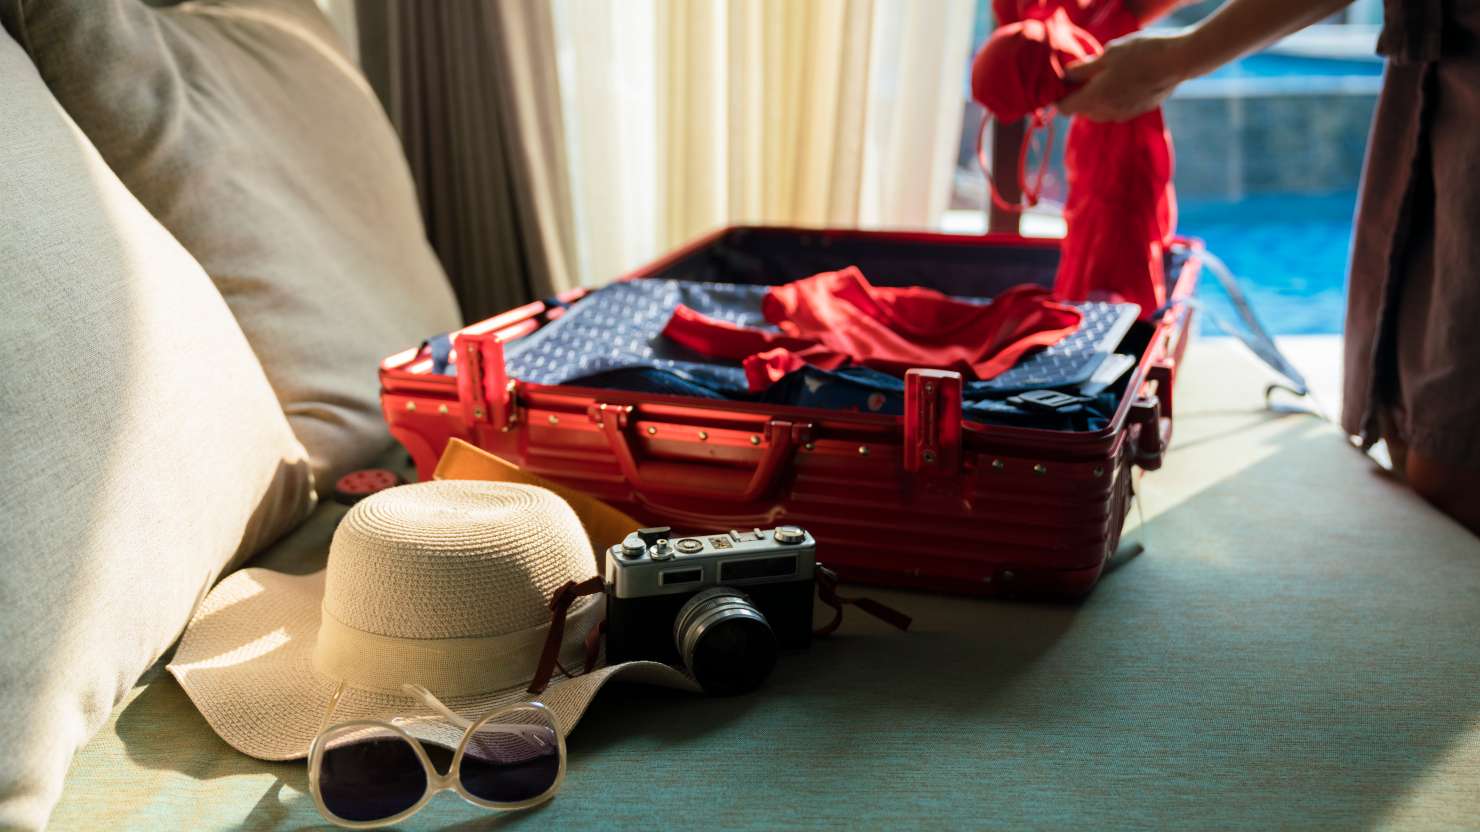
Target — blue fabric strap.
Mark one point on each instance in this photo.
(441, 347)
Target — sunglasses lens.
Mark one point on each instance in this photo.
(370, 775)
(513, 757)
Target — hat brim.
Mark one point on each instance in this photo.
(246, 661)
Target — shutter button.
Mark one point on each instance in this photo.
(633, 547)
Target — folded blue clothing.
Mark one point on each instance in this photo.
(861, 390)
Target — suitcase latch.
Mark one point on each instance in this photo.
(483, 388)
(932, 421)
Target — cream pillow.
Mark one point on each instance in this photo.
(245, 128)
(143, 450)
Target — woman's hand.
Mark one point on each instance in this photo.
(1134, 74)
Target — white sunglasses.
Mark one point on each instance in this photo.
(370, 773)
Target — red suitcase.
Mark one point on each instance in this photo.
(922, 500)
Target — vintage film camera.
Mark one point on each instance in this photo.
(719, 604)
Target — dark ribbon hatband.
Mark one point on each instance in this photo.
(559, 606)
(827, 593)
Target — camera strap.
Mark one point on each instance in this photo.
(559, 607)
(827, 593)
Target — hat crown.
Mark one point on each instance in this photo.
(454, 559)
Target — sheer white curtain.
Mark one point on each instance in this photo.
(682, 116)
(342, 14)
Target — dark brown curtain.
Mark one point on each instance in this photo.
(472, 87)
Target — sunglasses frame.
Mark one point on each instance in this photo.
(436, 783)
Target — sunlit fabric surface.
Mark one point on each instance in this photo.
(1294, 649)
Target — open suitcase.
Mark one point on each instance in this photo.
(925, 497)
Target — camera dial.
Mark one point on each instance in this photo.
(790, 534)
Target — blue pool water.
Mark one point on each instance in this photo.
(1274, 65)
(1290, 253)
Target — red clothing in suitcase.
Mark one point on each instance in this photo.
(836, 318)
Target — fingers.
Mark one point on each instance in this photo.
(1089, 103)
(1088, 100)
(1108, 97)
(1084, 73)
(1069, 105)
(1081, 71)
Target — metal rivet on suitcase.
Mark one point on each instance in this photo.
(755, 440)
(928, 456)
(477, 413)
(554, 420)
(442, 409)
(652, 431)
(998, 465)
(411, 405)
(703, 436)
(1099, 471)
(810, 446)
(863, 450)
(1040, 469)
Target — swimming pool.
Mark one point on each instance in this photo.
(1284, 65)
(1269, 154)
(1289, 251)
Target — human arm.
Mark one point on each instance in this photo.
(1137, 72)
(1149, 10)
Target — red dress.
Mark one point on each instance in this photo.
(1121, 209)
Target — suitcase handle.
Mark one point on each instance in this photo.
(683, 478)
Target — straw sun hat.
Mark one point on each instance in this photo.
(442, 584)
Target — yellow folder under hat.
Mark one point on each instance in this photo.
(604, 524)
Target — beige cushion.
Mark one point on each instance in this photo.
(143, 449)
(252, 137)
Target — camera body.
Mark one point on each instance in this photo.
(650, 576)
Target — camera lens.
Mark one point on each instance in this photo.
(725, 641)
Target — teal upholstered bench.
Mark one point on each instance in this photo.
(1296, 648)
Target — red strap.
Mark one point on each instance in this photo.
(827, 592)
(766, 356)
(559, 606)
(1042, 119)
(722, 339)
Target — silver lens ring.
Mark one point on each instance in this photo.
(707, 609)
(713, 617)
